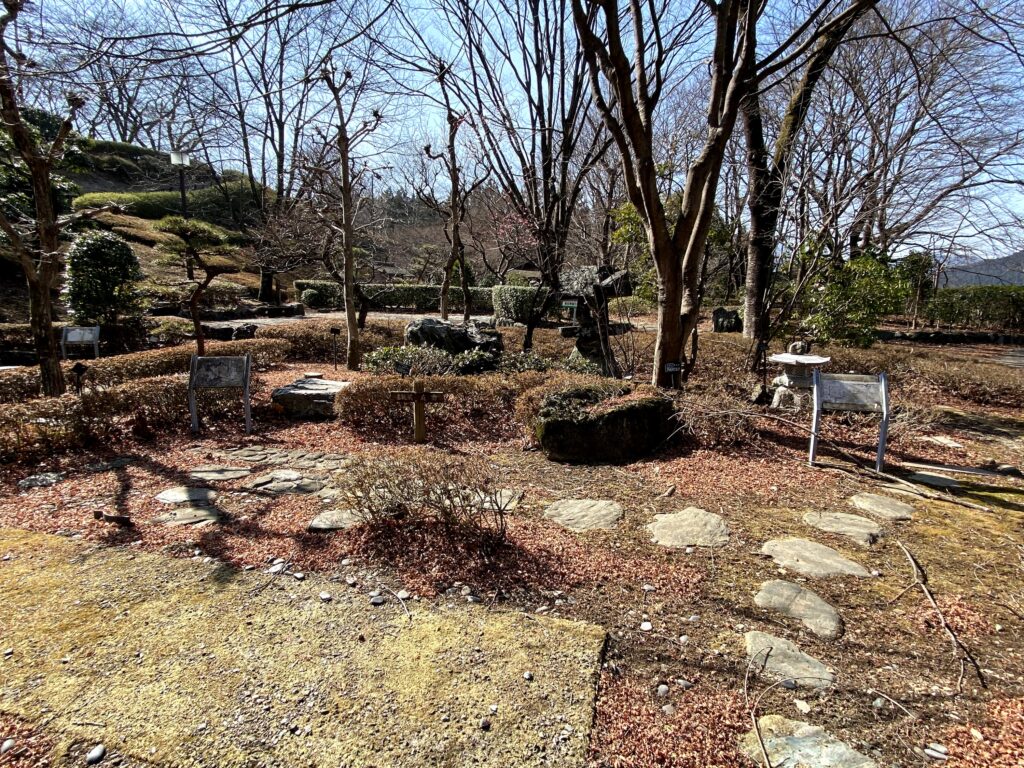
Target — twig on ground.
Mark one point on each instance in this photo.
(963, 653)
(404, 606)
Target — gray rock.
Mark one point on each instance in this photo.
(862, 530)
(403, 595)
(7, 746)
(182, 494)
(309, 398)
(284, 481)
(934, 479)
(585, 514)
(96, 754)
(798, 744)
(42, 480)
(881, 506)
(799, 603)
(190, 515)
(326, 597)
(662, 690)
(211, 473)
(454, 339)
(334, 520)
(689, 527)
(669, 710)
(809, 558)
(780, 659)
(377, 600)
(106, 466)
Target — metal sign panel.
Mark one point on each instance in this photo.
(851, 392)
(220, 372)
(74, 334)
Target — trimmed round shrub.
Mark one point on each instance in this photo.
(103, 276)
(514, 304)
(313, 299)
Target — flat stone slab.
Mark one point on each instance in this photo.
(809, 558)
(311, 397)
(862, 530)
(798, 744)
(689, 527)
(297, 458)
(284, 481)
(934, 480)
(183, 494)
(206, 670)
(779, 659)
(802, 604)
(585, 514)
(190, 515)
(885, 507)
(42, 480)
(335, 520)
(211, 473)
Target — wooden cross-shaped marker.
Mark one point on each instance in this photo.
(419, 398)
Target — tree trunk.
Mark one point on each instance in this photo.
(668, 346)
(467, 297)
(352, 349)
(267, 294)
(41, 320)
(194, 313)
(446, 282)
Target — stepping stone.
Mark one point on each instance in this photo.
(502, 500)
(182, 494)
(862, 530)
(780, 659)
(282, 481)
(794, 743)
(190, 515)
(584, 514)
(311, 397)
(802, 604)
(42, 480)
(211, 473)
(934, 480)
(335, 520)
(885, 507)
(809, 558)
(690, 527)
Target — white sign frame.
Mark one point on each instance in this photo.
(244, 381)
(852, 393)
(81, 335)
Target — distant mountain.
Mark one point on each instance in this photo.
(1008, 270)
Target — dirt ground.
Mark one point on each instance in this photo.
(901, 683)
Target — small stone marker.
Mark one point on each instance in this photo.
(419, 398)
(585, 514)
(862, 530)
(311, 397)
(689, 527)
(809, 558)
(799, 603)
(883, 506)
(791, 742)
(220, 373)
(780, 659)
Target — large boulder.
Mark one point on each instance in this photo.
(726, 321)
(453, 339)
(311, 397)
(584, 426)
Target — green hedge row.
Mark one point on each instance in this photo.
(998, 307)
(515, 304)
(207, 203)
(408, 296)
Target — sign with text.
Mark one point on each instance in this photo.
(851, 392)
(220, 373)
(88, 336)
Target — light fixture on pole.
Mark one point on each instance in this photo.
(181, 161)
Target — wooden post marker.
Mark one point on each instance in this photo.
(419, 399)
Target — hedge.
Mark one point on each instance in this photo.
(312, 341)
(513, 303)
(44, 426)
(207, 203)
(403, 296)
(998, 307)
(20, 384)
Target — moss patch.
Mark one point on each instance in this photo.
(181, 663)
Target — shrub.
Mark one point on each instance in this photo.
(103, 276)
(422, 361)
(459, 493)
(312, 341)
(208, 204)
(852, 298)
(48, 425)
(474, 361)
(477, 407)
(23, 383)
(412, 297)
(518, 362)
(314, 299)
(999, 307)
(514, 303)
(529, 403)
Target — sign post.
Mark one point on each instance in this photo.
(88, 336)
(419, 399)
(335, 333)
(220, 373)
(851, 392)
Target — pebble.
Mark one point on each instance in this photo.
(668, 709)
(8, 652)
(96, 754)
(346, 561)
(788, 684)
(350, 580)
(686, 684)
(485, 724)
(299, 575)
(938, 748)
(934, 755)
(694, 619)
(494, 709)
(378, 600)
(403, 594)
(663, 690)
(7, 746)
(276, 568)
(646, 626)
(375, 593)
(527, 676)
(802, 705)
(878, 703)
(684, 639)
(649, 588)
(326, 597)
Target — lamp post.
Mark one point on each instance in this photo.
(180, 160)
